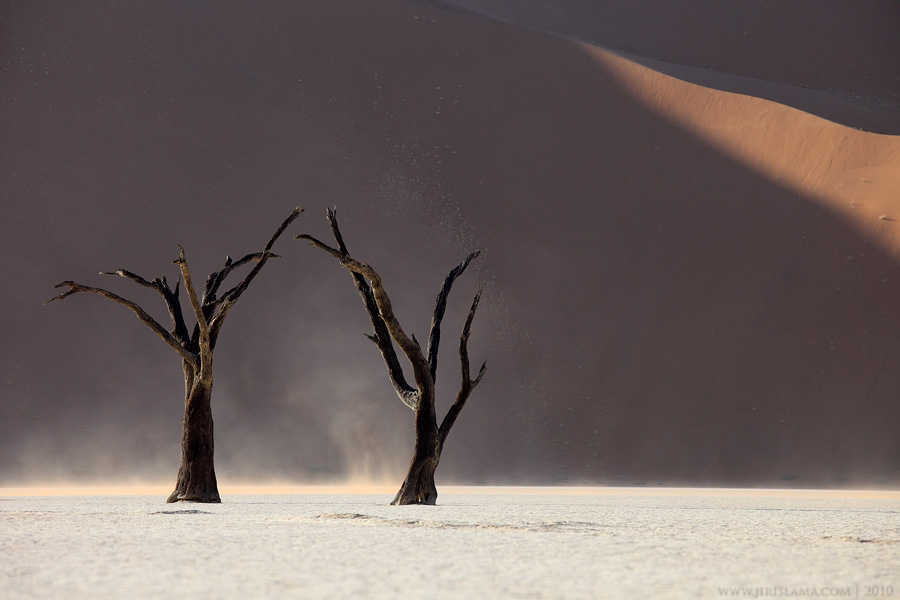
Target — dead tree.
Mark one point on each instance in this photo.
(196, 475)
(418, 487)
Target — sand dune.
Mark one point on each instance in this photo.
(682, 284)
(853, 173)
(846, 50)
(830, 59)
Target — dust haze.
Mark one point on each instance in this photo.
(655, 311)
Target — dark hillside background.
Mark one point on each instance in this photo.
(654, 311)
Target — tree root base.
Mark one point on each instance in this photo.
(204, 498)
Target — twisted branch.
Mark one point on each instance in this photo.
(440, 306)
(381, 336)
(209, 312)
(387, 327)
(179, 328)
(205, 349)
(232, 295)
(141, 314)
(468, 384)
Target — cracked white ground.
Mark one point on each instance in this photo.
(477, 543)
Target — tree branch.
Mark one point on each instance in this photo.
(174, 304)
(232, 296)
(468, 384)
(179, 328)
(213, 282)
(382, 337)
(135, 278)
(440, 307)
(409, 346)
(205, 348)
(322, 245)
(141, 314)
(216, 278)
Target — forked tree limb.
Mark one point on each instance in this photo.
(174, 305)
(232, 296)
(387, 327)
(170, 297)
(141, 314)
(409, 346)
(210, 302)
(468, 384)
(205, 348)
(426, 419)
(213, 281)
(216, 278)
(331, 215)
(440, 307)
(322, 246)
(381, 337)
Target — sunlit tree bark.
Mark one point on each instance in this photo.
(418, 487)
(196, 480)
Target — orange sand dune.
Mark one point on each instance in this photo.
(853, 173)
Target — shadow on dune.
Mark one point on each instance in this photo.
(829, 58)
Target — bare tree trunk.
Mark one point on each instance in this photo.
(419, 487)
(197, 474)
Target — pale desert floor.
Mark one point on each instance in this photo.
(477, 543)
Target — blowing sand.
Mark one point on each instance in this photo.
(685, 280)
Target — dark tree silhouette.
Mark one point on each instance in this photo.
(196, 475)
(418, 487)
